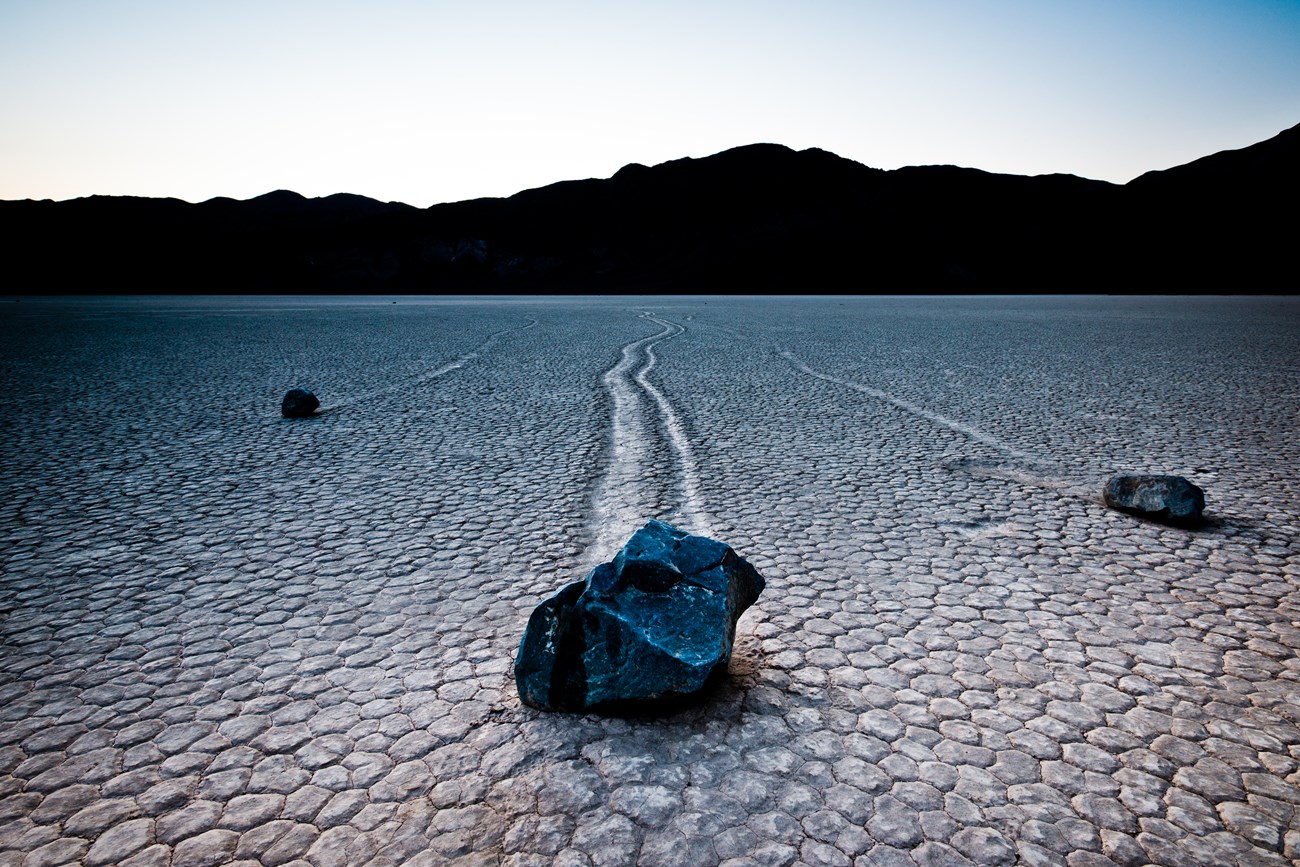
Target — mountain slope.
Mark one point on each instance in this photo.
(1220, 221)
(1267, 165)
(755, 218)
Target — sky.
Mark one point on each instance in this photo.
(426, 102)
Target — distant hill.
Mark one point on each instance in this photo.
(757, 218)
(1221, 220)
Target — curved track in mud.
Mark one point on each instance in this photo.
(1017, 465)
(642, 418)
(911, 408)
(441, 370)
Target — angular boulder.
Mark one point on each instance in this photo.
(1170, 499)
(298, 403)
(655, 623)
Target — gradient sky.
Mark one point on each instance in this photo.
(425, 102)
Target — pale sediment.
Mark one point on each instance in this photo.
(228, 637)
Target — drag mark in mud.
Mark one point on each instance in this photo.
(622, 502)
(689, 478)
(1016, 465)
(421, 378)
(913, 409)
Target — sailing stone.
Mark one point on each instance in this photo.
(298, 403)
(1171, 499)
(658, 622)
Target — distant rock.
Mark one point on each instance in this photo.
(656, 622)
(298, 403)
(1171, 499)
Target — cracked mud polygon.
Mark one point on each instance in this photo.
(232, 638)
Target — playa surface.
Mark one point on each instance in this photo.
(228, 637)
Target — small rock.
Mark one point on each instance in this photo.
(299, 403)
(1171, 499)
(656, 622)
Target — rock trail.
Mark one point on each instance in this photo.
(910, 407)
(1018, 465)
(694, 518)
(347, 401)
(625, 497)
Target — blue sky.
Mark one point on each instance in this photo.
(426, 102)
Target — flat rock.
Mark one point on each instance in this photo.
(1171, 499)
(657, 622)
(298, 403)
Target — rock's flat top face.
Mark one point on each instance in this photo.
(658, 621)
(1161, 497)
(209, 655)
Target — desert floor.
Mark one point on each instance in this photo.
(228, 637)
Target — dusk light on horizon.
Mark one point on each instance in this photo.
(432, 102)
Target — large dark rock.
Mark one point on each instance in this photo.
(298, 403)
(656, 623)
(1171, 499)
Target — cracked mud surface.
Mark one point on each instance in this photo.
(226, 637)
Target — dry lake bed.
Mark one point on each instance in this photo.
(231, 638)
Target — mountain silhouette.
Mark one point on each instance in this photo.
(1219, 221)
(761, 217)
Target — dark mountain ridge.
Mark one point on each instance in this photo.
(761, 217)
